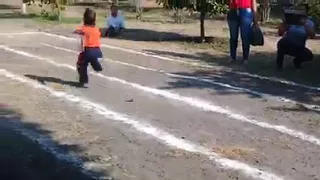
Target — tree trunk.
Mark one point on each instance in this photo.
(202, 17)
(24, 8)
(138, 9)
(266, 8)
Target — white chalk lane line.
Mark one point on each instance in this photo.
(272, 79)
(162, 136)
(49, 146)
(19, 33)
(204, 80)
(193, 102)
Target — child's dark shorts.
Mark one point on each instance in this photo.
(88, 56)
(92, 56)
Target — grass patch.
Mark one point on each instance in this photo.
(234, 152)
(64, 20)
(273, 23)
(218, 44)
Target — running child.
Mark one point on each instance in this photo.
(91, 52)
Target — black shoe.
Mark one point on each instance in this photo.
(297, 63)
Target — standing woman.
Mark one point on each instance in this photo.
(242, 14)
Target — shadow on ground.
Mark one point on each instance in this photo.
(297, 108)
(16, 15)
(22, 157)
(261, 64)
(44, 80)
(151, 35)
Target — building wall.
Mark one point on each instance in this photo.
(144, 3)
(13, 3)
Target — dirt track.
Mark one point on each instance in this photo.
(131, 122)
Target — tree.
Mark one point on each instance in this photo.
(265, 9)
(56, 6)
(213, 7)
(139, 9)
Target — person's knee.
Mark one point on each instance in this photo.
(96, 65)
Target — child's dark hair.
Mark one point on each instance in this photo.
(89, 17)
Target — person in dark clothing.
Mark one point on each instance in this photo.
(293, 42)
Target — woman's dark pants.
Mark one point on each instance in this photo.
(240, 19)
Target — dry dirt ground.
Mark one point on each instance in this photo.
(147, 117)
(157, 34)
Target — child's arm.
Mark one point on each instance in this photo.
(79, 31)
(122, 23)
(108, 23)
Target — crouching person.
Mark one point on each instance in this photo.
(293, 42)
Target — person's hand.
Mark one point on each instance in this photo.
(255, 20)
(255, 23)
(80, 32)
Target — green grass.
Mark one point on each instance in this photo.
(64, 20)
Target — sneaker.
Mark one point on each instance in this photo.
(83, 85)
(231, 61)
(244, 61)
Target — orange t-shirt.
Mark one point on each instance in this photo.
(91, 36)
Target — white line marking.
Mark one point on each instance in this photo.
(193, 102)
(273, 79)
(48, 145)
(18, 33)
(206, 80)
(148, 129)
(106, 59)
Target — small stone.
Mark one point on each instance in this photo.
(129, 100)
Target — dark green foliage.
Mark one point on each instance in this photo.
(314, 12)
(210, 6)
(56, 7)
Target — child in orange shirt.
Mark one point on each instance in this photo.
(91, 47)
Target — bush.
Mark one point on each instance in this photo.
(315, 14)
(50, 16)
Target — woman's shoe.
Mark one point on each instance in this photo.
(244, 61)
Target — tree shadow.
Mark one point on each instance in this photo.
(157, 36)
(296, 108)
(16, 15)
(261, 64)
(43, 80)
(27, 151)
